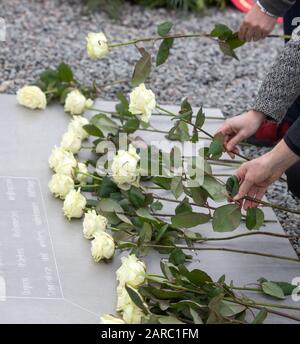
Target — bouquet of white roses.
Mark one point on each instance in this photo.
(114, 191)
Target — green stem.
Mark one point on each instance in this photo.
(102, 111)
(280, 36)
(273, 305)
(176, 35)
(220, 174)
(275, 235)
(173, 286)
(155, 275)
(87, 185)
(154, 130)
(261, 306)
(117, 82)
(183, 247)
(246, 289)
(271, 205)
(178, 202)
(220, 163)
(281, 314)
(89, 175)
(114, 229)
(170, 113)
(206, 117)
(158, 114)
(224, 162)
(158, 38)
(50, 91)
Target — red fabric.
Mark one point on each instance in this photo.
(246, 5)
(267, 131)
(270, 131)
(283, 128)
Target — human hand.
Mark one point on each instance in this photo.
(255, 176)
(256, 25)
(236, 129)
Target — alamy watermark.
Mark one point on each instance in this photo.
(296, 291)
(296, 21)
(157, 159)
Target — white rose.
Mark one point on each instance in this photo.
(76, 125)
(125, 171)
(97, 46)
(132, 314)
(62, 161)
(81, 172)
(131, 272)
(76, 103)
(109, 319)
(93, 223)
(89, 103)
(74, 204)
(60, 185)
(32, 97)
(142, 102)
(56, 156)
(67, 165)
(123, 298)
(103, 246)
(71, 142)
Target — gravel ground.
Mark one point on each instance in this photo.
(41, 34)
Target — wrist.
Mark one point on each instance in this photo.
(281, 157)
(257, 116)
(265, 11)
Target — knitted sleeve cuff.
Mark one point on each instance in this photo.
(278, 7)
(272, 113)
(292, 137)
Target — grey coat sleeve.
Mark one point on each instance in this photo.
(281, 86)
(277, 7)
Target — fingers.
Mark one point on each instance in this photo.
(233, 152)
(248, 32)
(249, 203)
(225, 129)
(256, 193)
(260, 193)
(245, 183)
(244, 189)
(230, 146)
(242, 32)
(264, 32)
(258, 35)
(245, 30)
(231, 138)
